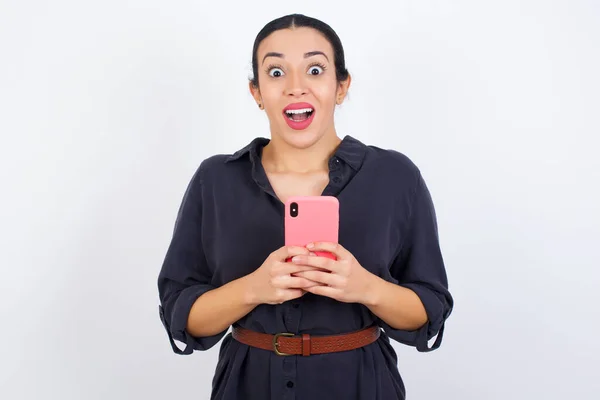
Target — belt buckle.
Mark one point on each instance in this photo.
(276, 344)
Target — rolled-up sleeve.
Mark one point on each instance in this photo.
(420, 267)
(185, 275)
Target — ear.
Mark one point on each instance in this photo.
(255, 92)
(342, 90)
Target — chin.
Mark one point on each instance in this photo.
(301, 139)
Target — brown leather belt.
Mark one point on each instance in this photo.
(285, 344)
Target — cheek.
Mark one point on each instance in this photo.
(269, 93)
(272, 100)
(326, 96)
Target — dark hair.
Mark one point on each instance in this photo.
(299, 21)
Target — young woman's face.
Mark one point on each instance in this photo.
(297, 85)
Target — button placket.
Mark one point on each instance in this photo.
(292, 316)
(335, 171)
(289, 377)
(334, 164)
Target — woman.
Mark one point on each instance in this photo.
(226, 263)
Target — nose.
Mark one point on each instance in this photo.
(296, 85)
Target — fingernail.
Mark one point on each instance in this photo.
(295, 259)
(312, 254)
(310, 245)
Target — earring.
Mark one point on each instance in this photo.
(260, 106)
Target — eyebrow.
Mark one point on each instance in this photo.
(306, 55)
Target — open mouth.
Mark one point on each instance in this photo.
(299, 115)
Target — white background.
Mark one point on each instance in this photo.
(107, 108)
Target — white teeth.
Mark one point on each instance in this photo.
(301, 111)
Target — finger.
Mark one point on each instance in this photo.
(295, 282)
(326, 278)
(316, 261)
(326, 291)
(313, 269)
(289, 268)
(335, 248)
(313, 284)
(309, 285)
(291, 294)
(290, 251)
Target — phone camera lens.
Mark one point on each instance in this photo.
(294, 209)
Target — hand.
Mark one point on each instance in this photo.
(273, 283)
(343, 279)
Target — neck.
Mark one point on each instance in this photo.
(281, 157)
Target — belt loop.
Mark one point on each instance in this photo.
(305, 344)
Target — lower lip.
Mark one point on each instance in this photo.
(299, 125)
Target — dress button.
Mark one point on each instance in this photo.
(336, 179)
(296, 305)
(290, 384)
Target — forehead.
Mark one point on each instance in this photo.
(295, 42)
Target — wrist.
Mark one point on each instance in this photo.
(249, 295)
(373, 291)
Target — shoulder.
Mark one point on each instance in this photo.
(393, 158)
(219, 166)
(400, 175)
(212, 168)
(394, 163)
(213, 164)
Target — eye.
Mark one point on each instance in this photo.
(275, 72)
(316, 70)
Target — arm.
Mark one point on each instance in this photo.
(185, 277)
(419, 272)
(399, 307)
(217, 309)
(413, 301)
(198, 312)
(271, 283)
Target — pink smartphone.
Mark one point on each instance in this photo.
(311, 219)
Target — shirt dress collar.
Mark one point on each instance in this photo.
(351, 151)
